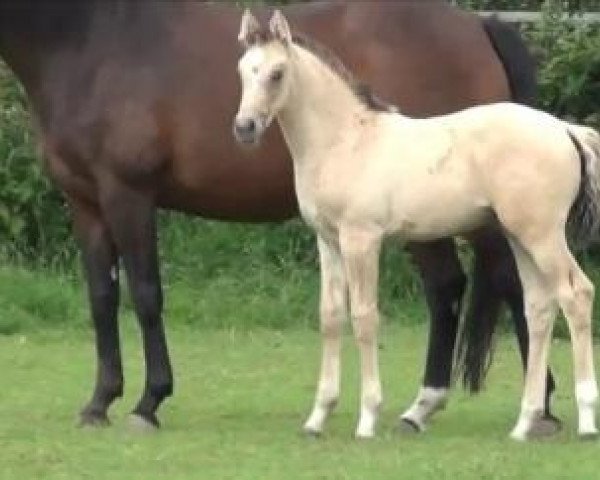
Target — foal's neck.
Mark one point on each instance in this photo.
(322, 112)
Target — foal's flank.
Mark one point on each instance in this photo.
(483, 164)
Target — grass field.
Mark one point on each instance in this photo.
(240, 400)
(241, 307)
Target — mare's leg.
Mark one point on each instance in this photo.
(131, 215)
(333, 312)
(101, 270)
(360, 252)
(496, 279)
(444, 284)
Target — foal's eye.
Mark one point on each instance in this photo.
(276, 76)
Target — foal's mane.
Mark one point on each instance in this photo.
(361, 90)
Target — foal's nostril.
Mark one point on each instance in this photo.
(250, 126)
(245, 130)
(245, 127)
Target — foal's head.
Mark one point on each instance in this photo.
(265, 72)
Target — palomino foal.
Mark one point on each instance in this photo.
(363, 171)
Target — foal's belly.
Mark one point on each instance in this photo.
(421, 225)
(430, 210)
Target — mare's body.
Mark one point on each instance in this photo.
(134, 102)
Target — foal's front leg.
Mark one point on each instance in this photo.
(360, 252)
(333, 311)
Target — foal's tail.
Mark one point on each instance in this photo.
(584, 218)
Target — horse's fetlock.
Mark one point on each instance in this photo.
(332, 319)
(373, 400)
(112, 389)
(162, 389)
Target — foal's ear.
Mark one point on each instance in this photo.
(280, 28)
(249, 29)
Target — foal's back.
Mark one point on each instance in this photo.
(474, 162)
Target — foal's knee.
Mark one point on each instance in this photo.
(539, 312)
(578, 288)
(365, 323)
(576, 298)
(331, 321)
(585, 291)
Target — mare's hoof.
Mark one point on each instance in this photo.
(91, 419)
(141, 424)
(544, 427)
(408, 426)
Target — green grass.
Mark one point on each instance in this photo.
(215, 275)
(241, 305)
(240, 399)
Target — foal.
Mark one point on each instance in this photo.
(363, 171)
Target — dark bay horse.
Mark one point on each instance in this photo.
(134, 100)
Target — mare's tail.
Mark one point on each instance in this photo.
(518, 62)
(474, 347)
(584, 217)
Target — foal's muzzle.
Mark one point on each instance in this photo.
(245, 131)
(248, 130)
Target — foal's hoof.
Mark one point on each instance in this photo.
(141, 424)
(409, 426)
(540, 428)
(311, 433)
(589, 436)
(544, 427)
(548, 417)
(364, 436)
(91, 419)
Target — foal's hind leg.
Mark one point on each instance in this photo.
(444, 284)
(101, 271)
(576, 294)
(563, 278)
(360, 252)
(333, 312)
(540, 310)
(496, 279)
